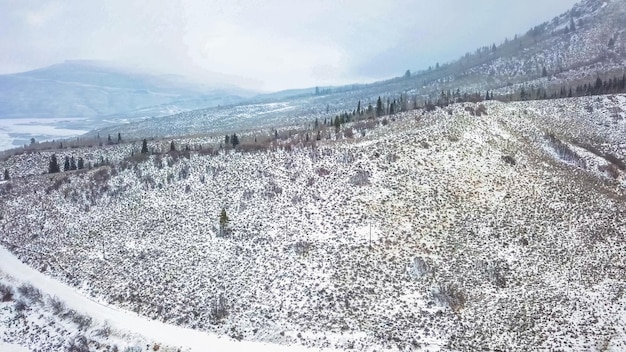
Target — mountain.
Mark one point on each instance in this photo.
(97, 89)
(573, 48)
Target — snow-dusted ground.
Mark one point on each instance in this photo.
(471, 249)
(126, 323)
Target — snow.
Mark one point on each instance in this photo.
(188, 339)
(16, 132)
(10, 347)
(521, 242)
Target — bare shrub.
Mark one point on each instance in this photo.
(272, 190)
(564, 151)
(615, 161)
(610, 170)
(83, 322)
(133, 161)
(496, 272)
(133, 349)
(509, 160)
(56, 305)
(104, 331)
(361, 178)
(219, 311)
(419, 268)
(78, 344)
(20, 305)
(449, 295)
(348, 133)
(101, 176)
(30, 292)
(57, 184)
(6, 292)
(481, 110)
(302, 248)
(253, 147)
(322, 172)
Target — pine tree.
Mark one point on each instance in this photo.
(66, 165)
(544, 72)
(144, 146)
(72, 164)
(81, 163)
(227, 140)
(6, 175)
(53, 167)
(172, 147)
(223, 221)
(358, 108)
(337, 123)
(235, 140)
(119, 137)
(379, 107)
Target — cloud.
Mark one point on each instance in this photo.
(270, 44)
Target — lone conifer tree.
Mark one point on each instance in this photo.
(379, 107)
(119, 137)
(172, 147)
(81, 163)
(6, 175)
(234, 140)
(53, 167)
(144, 146)
(223, 221)
(66, 165)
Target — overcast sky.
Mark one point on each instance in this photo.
(263, 44)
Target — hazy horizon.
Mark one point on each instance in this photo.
(266, 46)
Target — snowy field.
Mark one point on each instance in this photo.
(502, 231)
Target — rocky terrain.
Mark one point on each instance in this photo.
(494, 227)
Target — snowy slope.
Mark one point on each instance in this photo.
(502, 231)
(124, 322)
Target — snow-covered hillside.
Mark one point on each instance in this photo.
(501, 231)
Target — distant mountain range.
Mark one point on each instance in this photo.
(574, 48)
(97, 89)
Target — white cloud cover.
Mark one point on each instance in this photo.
(267, 45)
